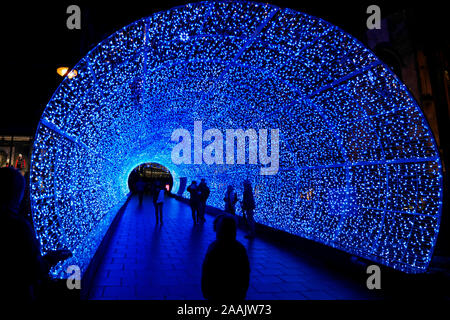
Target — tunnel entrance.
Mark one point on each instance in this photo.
(152, 174)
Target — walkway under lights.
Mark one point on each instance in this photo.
(146, 261)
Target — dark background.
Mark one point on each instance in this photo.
(36, 41)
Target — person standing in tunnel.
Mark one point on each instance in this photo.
(154, 191)
(194, 200)
(248, 206)
(140, 189)
(230, 200)
(204, 194)
(159, 204)
(226, 267)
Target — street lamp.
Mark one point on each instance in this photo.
(64, 71)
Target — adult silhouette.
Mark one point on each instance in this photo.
(226, 268)
(203, 197)
(230, 199)
(140, 189)
(194, 200)
(248, 207)
(23, 268)
(159, 205)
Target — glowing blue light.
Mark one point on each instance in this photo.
(359, 169)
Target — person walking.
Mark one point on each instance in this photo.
(230, 200)
(248, 207)
(159, 204)
(204, 194)
(194, 200)
(140, 189)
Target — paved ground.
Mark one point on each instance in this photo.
(149, 261)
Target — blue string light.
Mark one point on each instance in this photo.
(359, 168)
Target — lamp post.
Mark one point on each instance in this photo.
(65, 71)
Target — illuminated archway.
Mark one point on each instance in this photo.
(359, 169)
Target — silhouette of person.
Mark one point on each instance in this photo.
(204, 194)
(156, 187)
(248, 207)
(25, 205)
(194, 200)
(23, 268)
(226, 268)
(140, 189)
(230, 200)
(159, 204)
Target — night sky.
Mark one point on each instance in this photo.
(37, 41)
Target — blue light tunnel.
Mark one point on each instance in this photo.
(359, 168)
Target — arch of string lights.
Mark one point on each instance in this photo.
(359, 168)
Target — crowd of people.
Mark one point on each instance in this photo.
(198, 196)
(200, 193)
(219, 282)
(247, 205)
(197, 201)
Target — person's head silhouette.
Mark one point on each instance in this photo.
(225, 227)
(12, 186)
